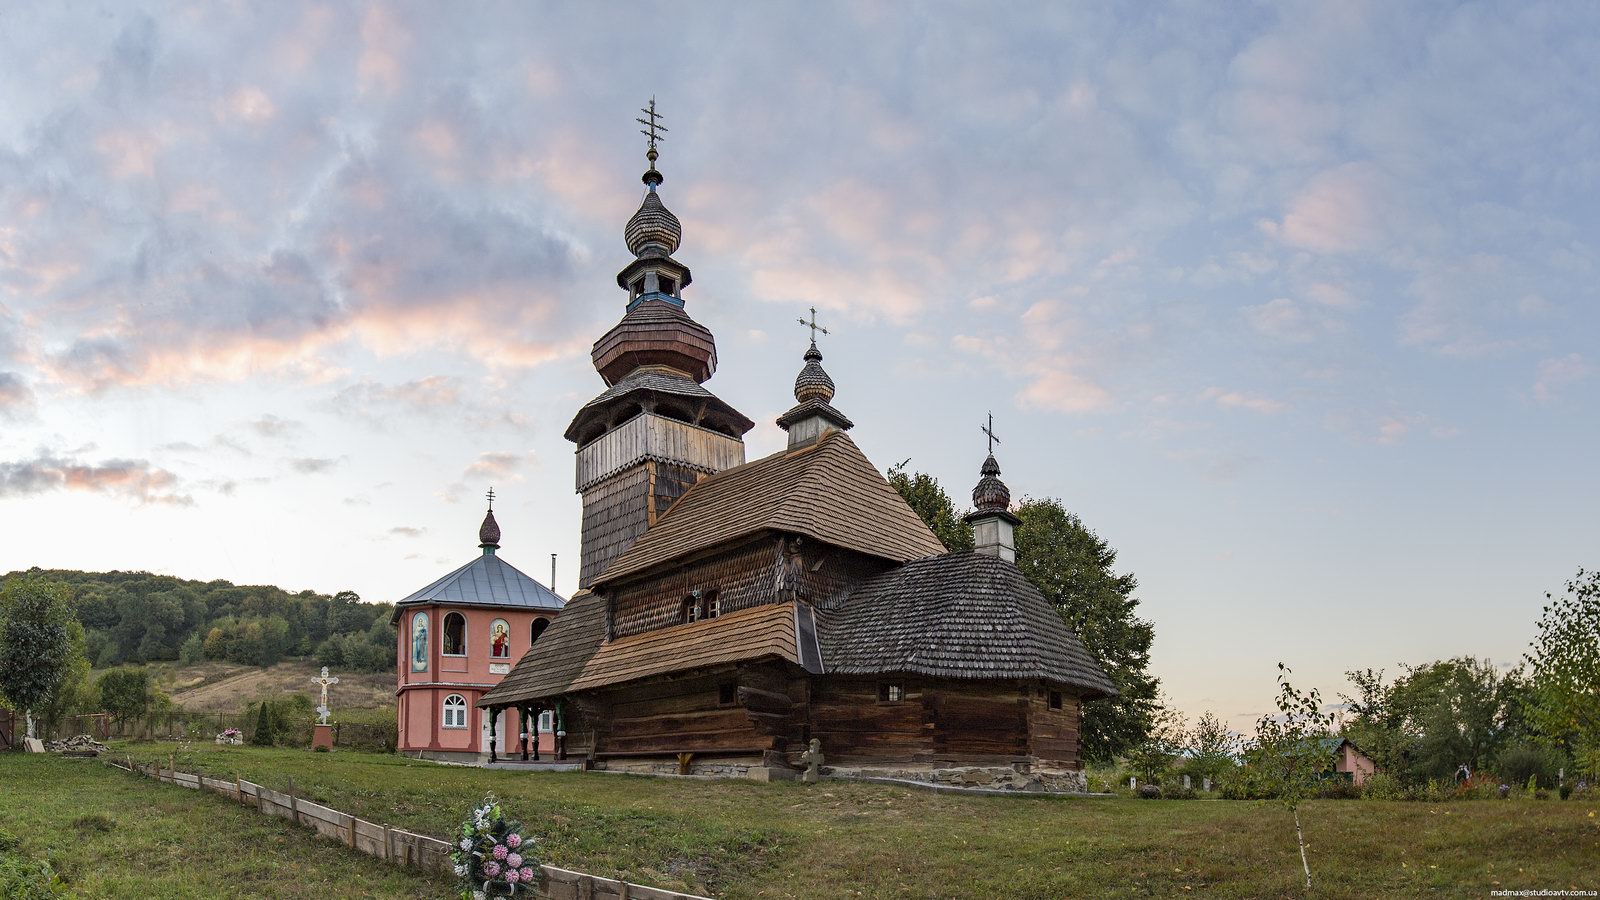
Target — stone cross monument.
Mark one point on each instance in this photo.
(325, 680)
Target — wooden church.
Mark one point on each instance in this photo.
(731, 612)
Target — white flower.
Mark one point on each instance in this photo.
(466, 844)
(479, 895)
(461, 871)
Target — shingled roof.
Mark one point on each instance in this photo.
(572, 655)
(961, 615)
(827, 491)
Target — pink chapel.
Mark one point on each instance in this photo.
(457, 638)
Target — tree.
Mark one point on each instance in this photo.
(263, 735)
(1072, 567)
(75, 692)
(1212, 748)
(125, 693)
(924, 495)
(1435, 717)
(1290, 752)
(1153, 757)
(1564, 701)
(35, 642)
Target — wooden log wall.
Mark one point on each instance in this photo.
(391, 844)
(1053, 734)
(687, 715)
(937, 724)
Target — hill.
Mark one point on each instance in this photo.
(224, 687)
(137, 617)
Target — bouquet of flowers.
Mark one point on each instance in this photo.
(492, 858)
(230, 736)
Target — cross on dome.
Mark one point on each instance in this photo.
(813, 325)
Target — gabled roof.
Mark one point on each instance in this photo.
(487, 581)
(572, 654)
(827, 491)
(960, 615)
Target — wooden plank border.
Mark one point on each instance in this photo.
(403, 848)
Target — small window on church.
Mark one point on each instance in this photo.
(727, 693)
(890, 692)
(455, 711)
(669, 287)
(713, 604)
(638, 287)
(539, 625)
(691, 609)
(1055, 699)
(455, 635)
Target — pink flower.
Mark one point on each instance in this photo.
(513, 841)
(527, 874)
(500, 851)
(491, 869)
(512, 875)
(514, 860)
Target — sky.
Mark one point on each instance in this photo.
(1293, 303)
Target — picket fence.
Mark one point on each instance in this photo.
(391, 844)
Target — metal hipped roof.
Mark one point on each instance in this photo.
(488, 581)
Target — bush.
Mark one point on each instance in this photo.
(263, 732)
(1338, 789)
(22, 878)
(1149, 792)
(1179, 792)
(1382, 786)
(1521, 762)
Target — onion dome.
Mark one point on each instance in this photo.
(489, 532)
(653, 230)
(991, 495)
(813, 383)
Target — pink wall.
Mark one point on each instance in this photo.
(420, 705)
(1358, 764)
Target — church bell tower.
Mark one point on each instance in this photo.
(655, 430)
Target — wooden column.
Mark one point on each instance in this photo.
(522, 719)
(537, 711)
(494, 716)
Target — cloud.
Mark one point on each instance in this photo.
(1237, 400)
(1063, 391)
(407, 531)
(1340, 210)
(16, 398)
(423, 395)
(312, 465)
(270, 426)
(1560, 372)
(134, 479)
(495, 465)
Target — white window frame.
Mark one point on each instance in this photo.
(444, 635)
(547, 721)
(457, 704)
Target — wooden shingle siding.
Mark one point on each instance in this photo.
(743, 576)
(615, 513)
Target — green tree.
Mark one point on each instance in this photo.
(1435, 717)
(75, 693)
(1152, 758)
(35, 643)
(125, 693)
(263, 735)
(1073, 567)
(1564, 696)
(1290, 753)
(924, 495)
(1211, 747)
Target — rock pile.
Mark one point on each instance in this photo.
(80, 745)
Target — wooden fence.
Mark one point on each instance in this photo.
(391, 844)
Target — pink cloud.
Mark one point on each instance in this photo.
(1338, 211)
(1238, 400)
(1059, 390)
(1560, 372)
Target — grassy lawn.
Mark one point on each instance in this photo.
(110, 834)
(742, 839)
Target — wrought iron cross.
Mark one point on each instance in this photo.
(813, 325)
(490, 495)
(989, 430)
(652, 126)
